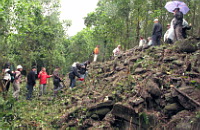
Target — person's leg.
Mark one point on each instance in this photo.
(41, 89)
(158, 37)
(154, 40)
(73, 82)
(184, 33)
(7, 85)
(70, 84)
(95, 57)
(27, 96)
(16, 88)
(30, 91)
(44, 88)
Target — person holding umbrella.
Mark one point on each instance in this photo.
(178, 24)
(178, 8)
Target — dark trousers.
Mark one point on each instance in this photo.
(169, 41)
(72, 82)
(30, 91)
(156, 39)
(7, 83)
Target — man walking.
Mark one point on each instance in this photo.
(31, 82)
(157, 33)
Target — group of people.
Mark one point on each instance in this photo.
(176, 31)
(15, 77)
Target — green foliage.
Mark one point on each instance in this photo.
(144, 117)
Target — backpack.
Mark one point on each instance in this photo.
(13, 77)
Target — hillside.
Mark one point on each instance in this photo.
(143, 88)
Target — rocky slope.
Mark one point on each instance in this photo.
(144, 88)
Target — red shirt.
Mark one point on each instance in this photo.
(43, 77)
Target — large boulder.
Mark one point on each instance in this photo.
(99, 111)
(188, 45)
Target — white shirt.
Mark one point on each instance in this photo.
(7, 76)
(116, 51)
(142, 42)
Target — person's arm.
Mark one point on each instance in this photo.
(39, 75)
(33, 78)
(49, 76)
(154, 29)
(9, 72)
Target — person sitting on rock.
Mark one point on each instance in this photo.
(117, 51)
(169, 35)
(142, 42)
(149, 41)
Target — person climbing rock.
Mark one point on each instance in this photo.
(57, 80)
(178, 24)
(157, 33)
(96, 53)
(117, 51)
(74, 73)
(17, 81)
(31, 81)
(83, 69)
(43, 80)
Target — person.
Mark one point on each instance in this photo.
(17, 81)
(117, 51)
(142, 42)
(157, 33)
(149, 41)
(43, 80)
(178, 24)
(56, 80)
(83, 69)
(186, 27)
(31, 81)
(7, 76)
(74, 73)
(96, 53)
(169, 35)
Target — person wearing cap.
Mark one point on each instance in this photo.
(157, 33)
(169, 35)
(17, 81)
(74, 73)
(31, 81)
(117, 51)
(178, 24)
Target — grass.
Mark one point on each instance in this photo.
(38, 112)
